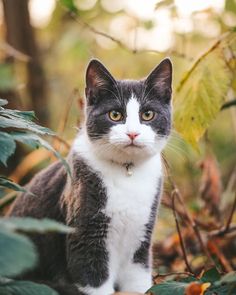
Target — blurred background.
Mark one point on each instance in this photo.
(45, 47)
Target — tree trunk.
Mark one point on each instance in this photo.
(20, 35)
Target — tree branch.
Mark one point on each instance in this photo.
(228, 104)
(121, 44)
(11, 51)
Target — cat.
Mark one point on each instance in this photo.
(113, 195)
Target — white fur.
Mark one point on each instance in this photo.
(129, 197)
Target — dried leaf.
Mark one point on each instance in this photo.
(195, 288)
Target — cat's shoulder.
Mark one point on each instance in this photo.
(42, 191)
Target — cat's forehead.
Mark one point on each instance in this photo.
(130, 88)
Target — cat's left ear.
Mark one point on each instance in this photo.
(97, 77)
(161, 78)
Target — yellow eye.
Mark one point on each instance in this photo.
(148, 115)
(115, 116)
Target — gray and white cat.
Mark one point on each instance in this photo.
(114, 192)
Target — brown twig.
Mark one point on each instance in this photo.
(210, 226)
(11, 51)
(63, 121)
(28, 163)
(231, 182)
(61, 140)
(173, 274)
(180, 235)
(221, 232)
(228, 104)
(215, 250)
(66, 112)
(191, 221)
(227, 226)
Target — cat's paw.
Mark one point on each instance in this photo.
(127, 293)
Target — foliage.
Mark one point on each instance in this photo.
(18, 253)
(69, 4)
(202, 91)
(18, 126)
(210, 283)
(12, 287)
(7, 183)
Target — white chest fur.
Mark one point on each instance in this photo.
(129, 202)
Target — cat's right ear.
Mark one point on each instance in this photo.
(97, 77)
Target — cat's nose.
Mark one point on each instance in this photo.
(132, 135)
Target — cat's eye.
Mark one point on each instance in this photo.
(147, 116)
(115, 116)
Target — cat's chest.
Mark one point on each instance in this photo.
(128, 205)
(130, 195)
(124, 191)
(130, 198)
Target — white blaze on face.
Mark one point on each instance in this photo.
(133, 124)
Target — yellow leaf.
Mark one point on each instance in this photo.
(202, 92)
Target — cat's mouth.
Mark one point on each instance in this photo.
(134, 145)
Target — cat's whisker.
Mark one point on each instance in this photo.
(147, 94)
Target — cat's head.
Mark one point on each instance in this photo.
(128, 120)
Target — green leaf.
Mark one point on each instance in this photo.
(200, 95)
(17, 253)
(69, 4)
(221, 290)
(35, 141)
(211, 276)
(223, 286)
(27, 115)
(7, 147)
(3, 102)
(229, 278)
(28, 224)
(169, 288)
(25, 288)
(19, 123)
(7, 183)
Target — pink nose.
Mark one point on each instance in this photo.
(132, 135)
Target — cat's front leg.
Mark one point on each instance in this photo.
(135, 277)
(105, 289)
(87, 256)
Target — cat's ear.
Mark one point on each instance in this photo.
(97, 77)
(161, 78)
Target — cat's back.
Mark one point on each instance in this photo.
(47, 187)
